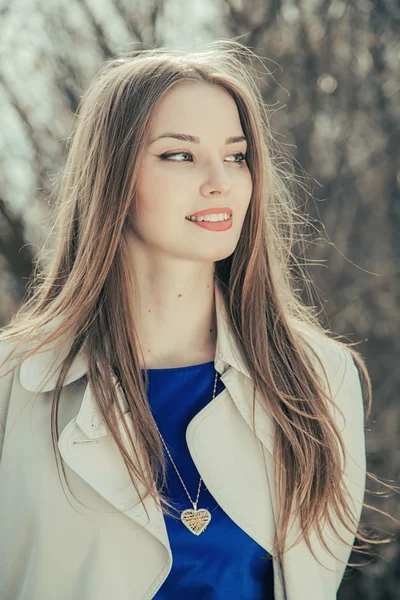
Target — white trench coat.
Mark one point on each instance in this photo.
(53, 547)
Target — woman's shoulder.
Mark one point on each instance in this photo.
(328, 349)
(334, 362)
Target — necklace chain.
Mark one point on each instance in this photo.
(172, 461)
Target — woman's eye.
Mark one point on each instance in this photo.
(174, 154)
(240, 157)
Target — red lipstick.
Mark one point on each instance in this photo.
(213, 225)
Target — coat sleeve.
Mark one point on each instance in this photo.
(347, 395)
(345, 386)
(6, 382)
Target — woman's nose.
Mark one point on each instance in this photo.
(217, 181)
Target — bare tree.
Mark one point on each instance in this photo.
(49, 53)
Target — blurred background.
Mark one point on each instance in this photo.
(331, 80)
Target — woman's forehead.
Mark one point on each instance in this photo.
(193, 107)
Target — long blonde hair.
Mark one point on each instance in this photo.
(84, 274)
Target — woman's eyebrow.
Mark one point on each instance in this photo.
(196, 140)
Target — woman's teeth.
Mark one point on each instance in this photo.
(218, 217)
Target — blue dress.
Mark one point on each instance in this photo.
(223, 561)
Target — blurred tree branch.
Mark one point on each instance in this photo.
(339, 87)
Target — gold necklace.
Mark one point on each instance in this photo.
(195, 519)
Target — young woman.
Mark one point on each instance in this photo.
(176, 423)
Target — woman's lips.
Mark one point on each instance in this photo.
(214, 225)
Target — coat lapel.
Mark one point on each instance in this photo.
(90, 451)
(230, 460)
(226, 452)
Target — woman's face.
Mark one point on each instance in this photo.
(179, 176)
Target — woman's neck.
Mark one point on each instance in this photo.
(177, 327)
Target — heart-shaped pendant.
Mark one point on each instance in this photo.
(196, 520)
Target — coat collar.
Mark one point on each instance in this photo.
(40, 371)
